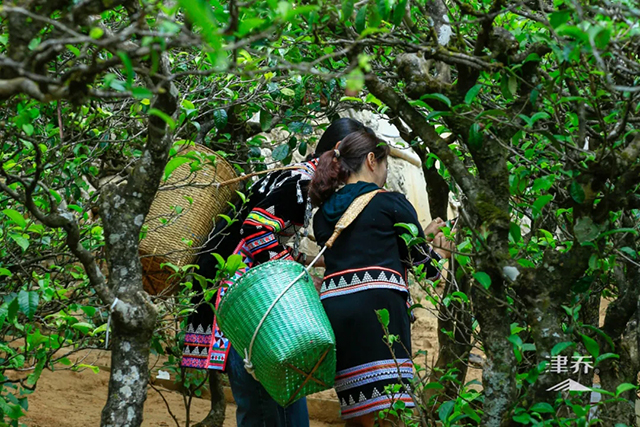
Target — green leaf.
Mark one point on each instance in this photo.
(475, 136)
(95, 369)
(515, 232)
(89, 310)
(100, 329)
(16, 217)
(28, 129)
(220, 118)
(265, 120)
(539, 204)
(469, 411)
(433, 386)
(412, 228)
(522, 418)
(280, 152)
(347, 9)
(573, 31)
(234, 263)
(5, 272)
(164, 116)
(585, 230)
(532, 57)
(472, 93)
(128, 67)
(19, 239)
(543, 408)
(558, 18)
(12, 411)
(287, 92)
(543, 183)
(361, 19)
(201, 13)
(445, 410)
(28, 303)
(374, 16)
(383, 8)
(248, 24)
(506, 87)
(399, 11)
(302, 149)
(73, 50)
(513, 84)
(538, 116)
(624, 387)
(560, 347)
(620, 230)
(82, 327)
(576, 191)
(483, 278)
(605, 357)
(460, 295)
(141, 93)
(218, 257)
(592, 346)
(438, 97)
(96, 33)
(173, 164)
(383, 317)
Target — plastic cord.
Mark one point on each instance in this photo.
(106, 340)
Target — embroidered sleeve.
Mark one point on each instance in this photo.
(272, 218)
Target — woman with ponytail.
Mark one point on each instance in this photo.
(366, 271)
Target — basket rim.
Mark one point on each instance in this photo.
(248, 274)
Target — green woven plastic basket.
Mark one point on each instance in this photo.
(294, 351)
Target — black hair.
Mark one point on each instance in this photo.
(335, 166)
(337, 131)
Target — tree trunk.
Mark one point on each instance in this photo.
(498, 374)
(129, 375)
(123, 210)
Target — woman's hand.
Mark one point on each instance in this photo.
(442, 246)
(433, 229)
(317, 282)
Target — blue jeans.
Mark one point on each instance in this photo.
(255, 407)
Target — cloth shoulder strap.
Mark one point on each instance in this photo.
(352, 212)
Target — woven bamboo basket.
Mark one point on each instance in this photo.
(175, 237)
(294, 350)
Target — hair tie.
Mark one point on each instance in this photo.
(337, 153)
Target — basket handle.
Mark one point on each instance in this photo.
(357, 206)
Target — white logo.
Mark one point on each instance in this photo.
(568, 385)
(559, 364)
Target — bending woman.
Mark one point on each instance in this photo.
(366, 270)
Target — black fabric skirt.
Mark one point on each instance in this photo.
(365, 364)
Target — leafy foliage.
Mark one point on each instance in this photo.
(528, 109)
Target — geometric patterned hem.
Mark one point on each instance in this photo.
(374, 404)
(361, 279)
(372, 372)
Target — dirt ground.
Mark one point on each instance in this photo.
(75, 399)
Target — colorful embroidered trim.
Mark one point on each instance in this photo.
(372, 372)
(362, 279)
(377, 402)
(261, 217)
